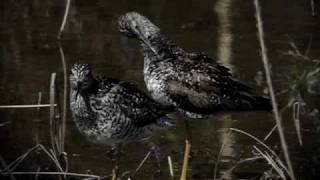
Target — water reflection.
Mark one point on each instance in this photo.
(224, 39)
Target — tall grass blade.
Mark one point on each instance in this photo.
(27, 106)
(65, 16)
(264, 145)
(52, 118)
(170, 167)
(58, 174)
(64, 103)
(271, 90)
(142, 162)
(6, 168)
(243, 161)
(13, 165)
(269, 134)
(269, 159)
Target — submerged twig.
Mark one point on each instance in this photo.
(269, 134)
(296, 118)
(170, 167)
(142, 162)
(271, 90)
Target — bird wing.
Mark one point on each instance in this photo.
(134, 104)
(142, 109)
(202, 87)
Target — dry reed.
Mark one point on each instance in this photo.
(141, 163)
(6, 168)
(64, 103)
(271, 90)
(170, 167)
(296, 119)
(27, 106)
(270, 151)
(65, 16)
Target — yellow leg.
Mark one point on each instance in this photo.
(115, 170)
(187, 150)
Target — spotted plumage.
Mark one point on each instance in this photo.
(110, 111)
(193, 83)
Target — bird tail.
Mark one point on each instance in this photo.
(250, 102)
(262, 103)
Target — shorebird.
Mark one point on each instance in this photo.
(111, 111)
(195, 84)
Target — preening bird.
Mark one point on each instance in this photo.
(193, 83)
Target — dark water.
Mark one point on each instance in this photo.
(224, 29)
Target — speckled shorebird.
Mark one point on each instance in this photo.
(110, 111)
(195, 84)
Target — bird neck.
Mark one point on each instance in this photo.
(83, 114)
(93, 89)
(156, 48)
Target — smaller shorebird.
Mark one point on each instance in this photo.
(112, 112)
(195, 84)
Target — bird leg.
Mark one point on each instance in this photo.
(157, 154)
(114, 155)
(187, 150)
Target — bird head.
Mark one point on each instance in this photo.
(133, 24)
(81, 78)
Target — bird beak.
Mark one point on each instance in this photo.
(78, 90)
(77, 93)
(146, 41)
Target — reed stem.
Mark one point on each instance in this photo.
(184, 172)
(271, 90)
(64, 103)
(27, 106)
(65, 16)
